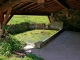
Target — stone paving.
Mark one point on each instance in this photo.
(65, 47)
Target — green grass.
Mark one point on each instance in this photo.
(27, 57)
(34, 36)
(20, 31)
(17, 19)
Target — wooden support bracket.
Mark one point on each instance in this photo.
(51, 19)
(7, 16)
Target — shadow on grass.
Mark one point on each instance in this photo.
(18, 28)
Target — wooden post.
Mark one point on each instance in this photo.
(1, 16)
(7, 16)
(5, 21)
(1, 21)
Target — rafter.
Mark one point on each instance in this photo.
(33, 7)
(18, 6)
(27, 6)
(37, 8)
(12, 3)
(63, 3)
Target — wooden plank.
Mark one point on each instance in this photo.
(27, 6)
(41, 1)
(63, 3)
(31, 8)
(22, 1)
(12, 3)
(7, 16)
(18, 5)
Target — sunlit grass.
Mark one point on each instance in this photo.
(35, 35)
(30, 19)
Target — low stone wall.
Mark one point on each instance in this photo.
(56, 25)
(37, 26)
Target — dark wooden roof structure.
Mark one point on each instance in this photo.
(37, 7)
(33, 7)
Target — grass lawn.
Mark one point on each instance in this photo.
(27, 57)
(34, 36)
(17, 19)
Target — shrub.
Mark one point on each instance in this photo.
(9, 45)
(5, 48)
(18, 28)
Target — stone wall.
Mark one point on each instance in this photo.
(56, 25)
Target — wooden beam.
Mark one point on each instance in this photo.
(41, 3)
(63, 3)
(33, 7)
(12, 3)
(37, 8)
(7, 16)
(16, 12)
(27, 6)
(18, 5)
(22, 1)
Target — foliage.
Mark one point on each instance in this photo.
(18, 28)
(6, 47)
(32, 57)
(27, 57)
(72, 21)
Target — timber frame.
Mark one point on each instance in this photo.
(33, 7)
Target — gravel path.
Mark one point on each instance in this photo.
(65, 47)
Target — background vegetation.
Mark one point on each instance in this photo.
(18, 26)
(71, 20)
(19, 33)
(17, 19)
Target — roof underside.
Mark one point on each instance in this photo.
(33, 7)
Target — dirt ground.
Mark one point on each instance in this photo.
(65, 47)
